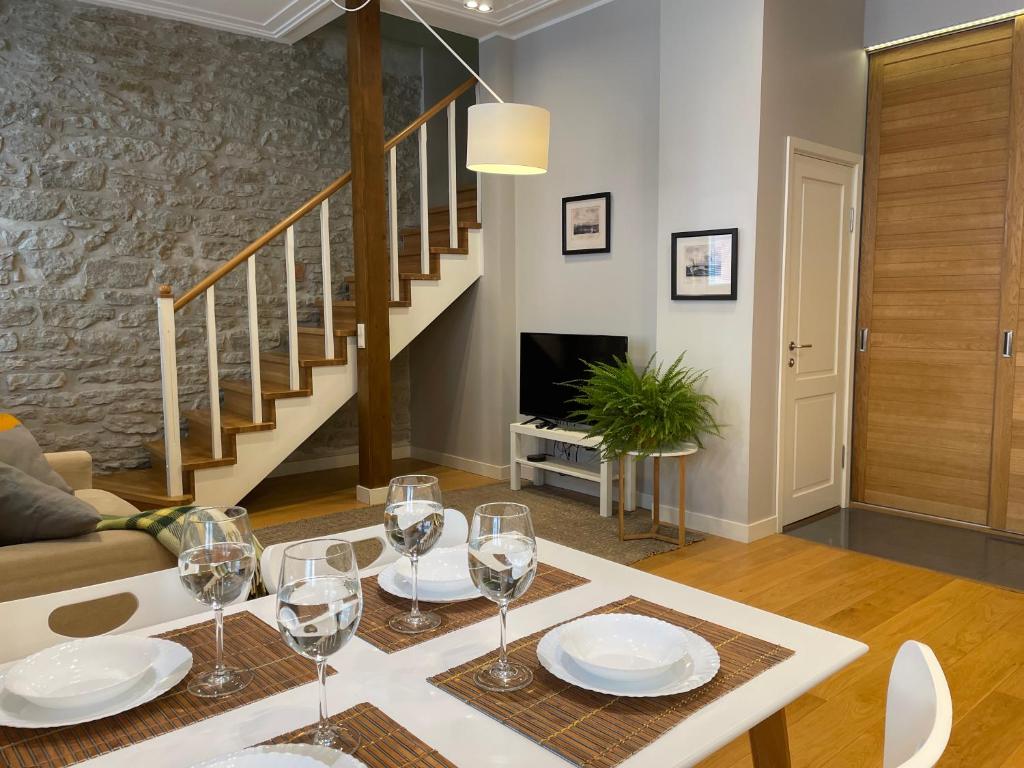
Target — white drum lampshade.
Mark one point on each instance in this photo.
(508, 139)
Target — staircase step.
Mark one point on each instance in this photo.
(195, 454)
(270, 390)
(417, 276)
(440, 226)
(145, 488)
(465, 203)
(277, 363)
(231, 423)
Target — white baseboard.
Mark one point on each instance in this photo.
(496, 471)
(349, 458)
(695, 521)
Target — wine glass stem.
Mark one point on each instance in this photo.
(415, 585)
(218, 619)
(503, 617)
(321, 676)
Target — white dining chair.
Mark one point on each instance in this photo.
(918, 709)
(33, 623)
(456, 531)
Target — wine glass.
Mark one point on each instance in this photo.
(413, 520)
(502, 564)
(216, 563)
(319, 604)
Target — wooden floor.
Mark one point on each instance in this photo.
(976, 630)
(296, 497)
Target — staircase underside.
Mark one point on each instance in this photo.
(251, 449)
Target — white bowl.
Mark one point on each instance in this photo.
(441, 570)
(81, 673)
(623, 646)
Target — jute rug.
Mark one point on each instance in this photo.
(566, 517)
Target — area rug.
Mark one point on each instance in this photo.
(566, 517)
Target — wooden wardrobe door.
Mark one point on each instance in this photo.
(931, 273)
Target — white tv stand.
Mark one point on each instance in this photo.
(536, 434)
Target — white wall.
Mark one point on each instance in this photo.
(710, 112)
(598, 74)
(888, 20)
(813, 86)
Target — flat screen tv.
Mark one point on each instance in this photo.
(548, 360)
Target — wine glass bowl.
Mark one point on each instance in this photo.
(502, 554)
(216, 563)
(413, 522)
(319, 605)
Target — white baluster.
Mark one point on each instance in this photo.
(213, 375)
(293, 311)
(254, 342)
(453, 193)
(169, 389)
(424, 204)
(393, 217)
(325, 266)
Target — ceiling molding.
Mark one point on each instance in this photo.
(288, 21)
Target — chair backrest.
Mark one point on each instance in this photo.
(33, 623)
(918, 709)
(456, 531)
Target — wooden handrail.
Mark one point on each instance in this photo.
(434, 110)
(258, 243)
(313, 202)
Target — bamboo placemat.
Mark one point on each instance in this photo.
(386, 744)
(248, 642)
(379, 606)
(597, 730)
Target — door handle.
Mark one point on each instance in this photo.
(1007, 343)
(794, 346)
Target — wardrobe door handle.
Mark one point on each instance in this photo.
(1007, 343)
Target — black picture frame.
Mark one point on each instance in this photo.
(605, 226)
(677, 237)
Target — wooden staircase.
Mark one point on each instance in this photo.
(213, 442)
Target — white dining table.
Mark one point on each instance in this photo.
(397, 682)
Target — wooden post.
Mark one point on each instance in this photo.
(369, 222)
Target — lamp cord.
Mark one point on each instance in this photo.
(351, 10)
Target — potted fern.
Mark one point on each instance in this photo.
(645, 411)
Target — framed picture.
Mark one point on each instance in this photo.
(586, 224)
(704, 264)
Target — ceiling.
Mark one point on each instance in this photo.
(290, 20)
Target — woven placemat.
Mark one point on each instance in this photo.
(597, 730)
(248, 642)
(379, 606)
(385, 744)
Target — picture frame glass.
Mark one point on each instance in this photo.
(704, 265)
(586, 224)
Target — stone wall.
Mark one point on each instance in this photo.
(136, 151)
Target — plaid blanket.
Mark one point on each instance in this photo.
(165, 525)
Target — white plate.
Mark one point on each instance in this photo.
(446, 568)
(285, 756)
(624, 646)
(81, 673)
(170, 665)
(700, 666)
(391, 583)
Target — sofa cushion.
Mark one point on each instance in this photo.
(20, 450)
(31, 510)
(28, 569)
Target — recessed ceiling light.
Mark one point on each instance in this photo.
(471, 4)
(485, 8)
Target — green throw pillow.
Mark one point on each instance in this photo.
(31, 510)
(19, 449)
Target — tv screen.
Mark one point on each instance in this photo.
(548, 360)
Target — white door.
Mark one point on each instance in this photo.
(815, 336)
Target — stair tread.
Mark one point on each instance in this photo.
(418, 276)
(441, 226)
(229, 420)
(435, 250)
(268, 390)
(195, 453)
(305, 361)
(340, 331)
(147, 486)
(469, 202)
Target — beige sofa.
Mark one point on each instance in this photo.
(42, 567)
